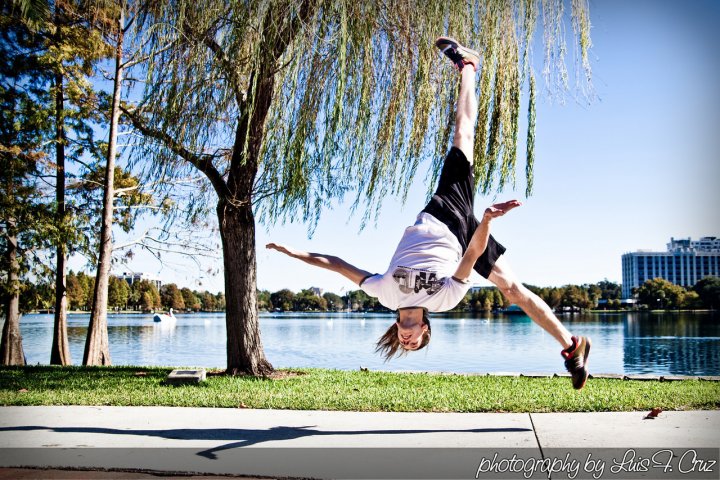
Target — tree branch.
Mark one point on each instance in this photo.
(201, 162)
(225, 63)
(179, 181)
(132, 63)
(137, 207)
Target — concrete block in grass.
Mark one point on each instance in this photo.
(613, 376)
(677, 378)
(643, 377)
(185, 376)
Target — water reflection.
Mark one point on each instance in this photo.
(687, 344)
(622, 343)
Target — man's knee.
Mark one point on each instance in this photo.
(465, 141)
(513, 292)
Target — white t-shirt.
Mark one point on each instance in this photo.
(421, 270)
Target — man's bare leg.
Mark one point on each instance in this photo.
(575, 349)
(466, 115)
(515, 292)
(467, 62)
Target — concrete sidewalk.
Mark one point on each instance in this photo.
(324, 444)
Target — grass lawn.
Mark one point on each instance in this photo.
(315, 389)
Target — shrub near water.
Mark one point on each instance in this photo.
(315, 389)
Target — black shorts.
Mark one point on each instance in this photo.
(452, 204)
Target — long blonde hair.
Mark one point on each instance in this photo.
(389, 344)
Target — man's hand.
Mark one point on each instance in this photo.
(500, 209)
(281, 248)
(478, 242)
(286, 250)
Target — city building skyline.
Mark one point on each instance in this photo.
(132, 277)
(684, 263)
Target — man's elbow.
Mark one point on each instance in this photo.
(475, 251)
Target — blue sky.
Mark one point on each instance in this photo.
(632, 169)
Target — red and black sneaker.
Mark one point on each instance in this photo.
(576, 356)
(459, 55)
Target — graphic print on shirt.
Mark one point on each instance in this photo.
(413, 280)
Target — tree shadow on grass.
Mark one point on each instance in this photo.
(239, 437)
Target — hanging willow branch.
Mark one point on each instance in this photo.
(360, 95)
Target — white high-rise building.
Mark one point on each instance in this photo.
(685, 262)
(132, 277)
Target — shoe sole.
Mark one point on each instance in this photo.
(586, 354)
(451, 42)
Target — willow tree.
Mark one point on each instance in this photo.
(287, 105)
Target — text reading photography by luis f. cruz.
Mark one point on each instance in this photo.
(605, 463)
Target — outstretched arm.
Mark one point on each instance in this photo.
(478, 242)
(329, 262)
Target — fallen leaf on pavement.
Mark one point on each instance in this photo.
(653, 413)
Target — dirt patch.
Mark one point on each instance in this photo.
(276, 375)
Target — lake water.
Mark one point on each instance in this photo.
(669, 343)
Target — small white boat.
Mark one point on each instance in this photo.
(161, 317)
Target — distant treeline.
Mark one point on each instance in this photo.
(145, 296)
(479, 300)
(141, 295)
(656, 293)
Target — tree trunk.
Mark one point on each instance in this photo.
(60, 352)
(245, 352)
(11, 349)
(97, 350)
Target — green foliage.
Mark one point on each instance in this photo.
(263, 300)
(43, 55)
(130, 198)
(145, 296)
(575, 297)
(142, 295)
(79, 290)
(356, 86)
(308, 301)
(34, 12)
(283, 299)
(484, 300)
(659, 293)
(609, 290)
(708, 289)
(25, 218)
(37, 296)
(171, 297)
(359, 300)
(219, 301)
(691, 300)
(208, 302)
(190, 299)
(334, 301)
(118, 293)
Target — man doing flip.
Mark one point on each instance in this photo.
(431, 267)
